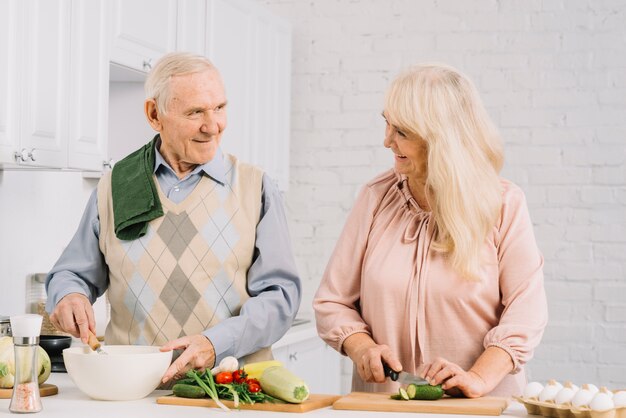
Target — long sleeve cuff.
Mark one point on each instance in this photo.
(517, 366)
(61, 285)
(222, 339)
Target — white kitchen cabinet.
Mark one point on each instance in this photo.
(89, 88)
(308, 357)
(35, 107)
(9, 119)
(52, 105)
(191, 26)
(257, 78)
(143, 31)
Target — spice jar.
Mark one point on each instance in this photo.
(26, 397)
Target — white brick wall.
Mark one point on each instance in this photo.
(553, 76)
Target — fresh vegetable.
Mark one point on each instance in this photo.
(204, 384)
(7, 364)
(255, 370)
(282, 384)
(228, 364)
(209, 388)
(419, 392)
(239, 376)
(224, 378)
(428, 392)
(188, 391)
(254, 388)
(403, 394)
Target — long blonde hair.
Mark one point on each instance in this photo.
(441, 106)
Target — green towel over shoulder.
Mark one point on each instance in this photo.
(135, 198)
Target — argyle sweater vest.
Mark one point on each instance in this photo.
(189, 271)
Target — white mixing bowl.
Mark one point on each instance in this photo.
(127, 372)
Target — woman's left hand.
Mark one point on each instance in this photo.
(453, 379)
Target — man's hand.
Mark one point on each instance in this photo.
(453, 379)
(199, 354)
(74, 314)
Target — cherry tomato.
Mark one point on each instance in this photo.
(252, 380)
(239, 376)
(224, 378)
(254, 388)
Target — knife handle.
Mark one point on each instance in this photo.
(390, 373)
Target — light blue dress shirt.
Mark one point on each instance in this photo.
(273, 281)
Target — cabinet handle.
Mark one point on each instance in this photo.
(293, 356)
(31, 155)
(21, 156)
(147, 64)
(108, 164)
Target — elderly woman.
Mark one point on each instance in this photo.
(437, 271)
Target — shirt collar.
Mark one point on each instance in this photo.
(213, 168)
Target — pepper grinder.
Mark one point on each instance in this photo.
(26, 397)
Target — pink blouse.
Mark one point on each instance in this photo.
(383, 279)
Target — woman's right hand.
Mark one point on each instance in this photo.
(369, 356)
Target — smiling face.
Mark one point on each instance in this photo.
(410, 152)
(192, 127)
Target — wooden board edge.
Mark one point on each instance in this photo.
(499, 405)
(45, 389)
(319, 401)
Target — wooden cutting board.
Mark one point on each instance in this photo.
(314, 402)
(360, 401)
(45, 389)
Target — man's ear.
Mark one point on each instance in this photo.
(152, 115)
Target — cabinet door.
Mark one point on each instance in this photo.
(230, 48)
(9, 122)
(89, 89)
(191, 26)
(314, 362)
(257, 79)
(143, 31)
(272, 86)
(44, 89)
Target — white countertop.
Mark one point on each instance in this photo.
(70, 402)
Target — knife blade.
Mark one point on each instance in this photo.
(403, 377)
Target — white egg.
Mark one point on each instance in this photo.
(601, 402)
(565, 395)
(550, 390)
(532, 390)
(619, 399)
(582, 398)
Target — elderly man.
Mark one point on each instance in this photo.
(191, 243)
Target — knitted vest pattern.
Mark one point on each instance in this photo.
(189, 271)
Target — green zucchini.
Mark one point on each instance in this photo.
(188, 391)
(280, 383)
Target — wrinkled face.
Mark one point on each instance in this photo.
(192, 128)
(410, 151)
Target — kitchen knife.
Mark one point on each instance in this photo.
(403, 377)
